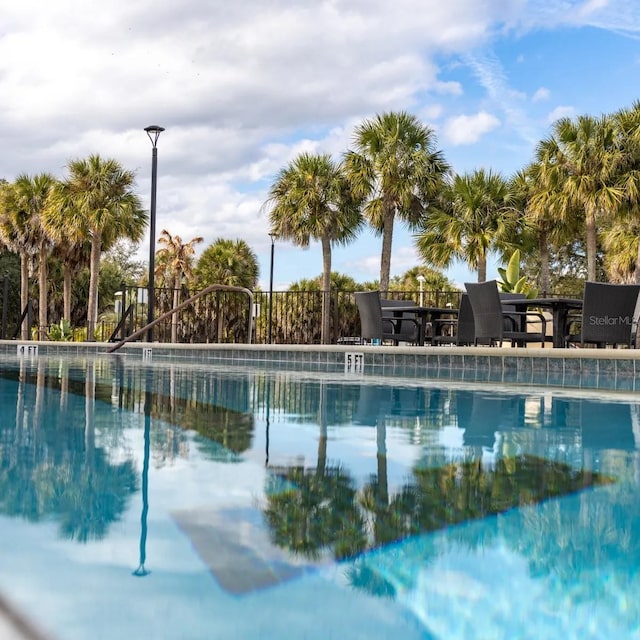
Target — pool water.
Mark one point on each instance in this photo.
(182, 501)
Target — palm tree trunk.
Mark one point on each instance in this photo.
(326, 289)
(42, 292)
(24, 291)
(176, 302)
(66, 292)
(322, 440)
(383, 482)
(590, 230)
(385, 258)
(92, 307)
(545, 273)
(482, 268)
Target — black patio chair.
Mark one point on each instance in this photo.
(458, 331)
(609, 316)
(376, 326)
(494, 325)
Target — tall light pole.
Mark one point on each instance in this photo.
(153, 131)
(273, 243)
(421, 280)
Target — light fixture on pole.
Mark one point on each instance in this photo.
(421, 280)
(153, 131)
(273, 243)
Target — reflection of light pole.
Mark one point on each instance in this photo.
(141, 571)
(266, 447)
(421, 280)
(273, 244)
(153, 132)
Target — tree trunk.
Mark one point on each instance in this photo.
(482, 269)
(42, 292)
(326, 290)
(545, 273)
(176, 302)
(322, 440)
(385, 258)
(24, 292)
(590, 230)
(381, 455)
(92, 307)
(66, 292)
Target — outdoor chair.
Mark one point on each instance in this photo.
(462, 328)
(374, 326)
(494, 325)
(609, 316)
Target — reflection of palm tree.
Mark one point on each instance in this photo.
(444, 496)
(86, 499)
(63, 476)
(316, 512)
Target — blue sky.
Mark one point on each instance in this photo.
(242, 89)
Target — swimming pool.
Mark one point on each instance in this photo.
(190, 501)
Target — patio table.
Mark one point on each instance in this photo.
(559, 308)
(426, 315)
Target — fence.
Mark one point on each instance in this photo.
(282, 317)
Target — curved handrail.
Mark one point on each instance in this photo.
(164, 316)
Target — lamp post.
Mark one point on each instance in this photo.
(421, 280)
(273, 243)
(153, 131)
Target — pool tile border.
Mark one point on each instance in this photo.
(610, 369)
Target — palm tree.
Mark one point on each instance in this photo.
(229, 262)
(477, 216)
(533, 189)
(627, 122)
(22, 229)
(232, 263)
(587, 166)
(396, 167)
(174, 261)
(74, 257)
(97, 202)
(311, 199)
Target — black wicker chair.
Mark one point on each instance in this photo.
(376, 326)
(494, 325)
(609, 316)
(462, 328)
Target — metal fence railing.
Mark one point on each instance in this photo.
(282, 317)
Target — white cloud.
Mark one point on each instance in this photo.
(243, 87)
(561, 112)
(451, 88)
(469, 129)
(541, 94)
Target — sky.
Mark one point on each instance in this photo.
(242, 88)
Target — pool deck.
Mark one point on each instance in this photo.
(583, 368)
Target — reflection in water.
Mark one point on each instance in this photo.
(327, 513)
(142, 571)
(389, 465)
(50, 466)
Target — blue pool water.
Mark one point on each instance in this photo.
(171, 501)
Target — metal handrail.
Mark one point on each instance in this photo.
(164, 316)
